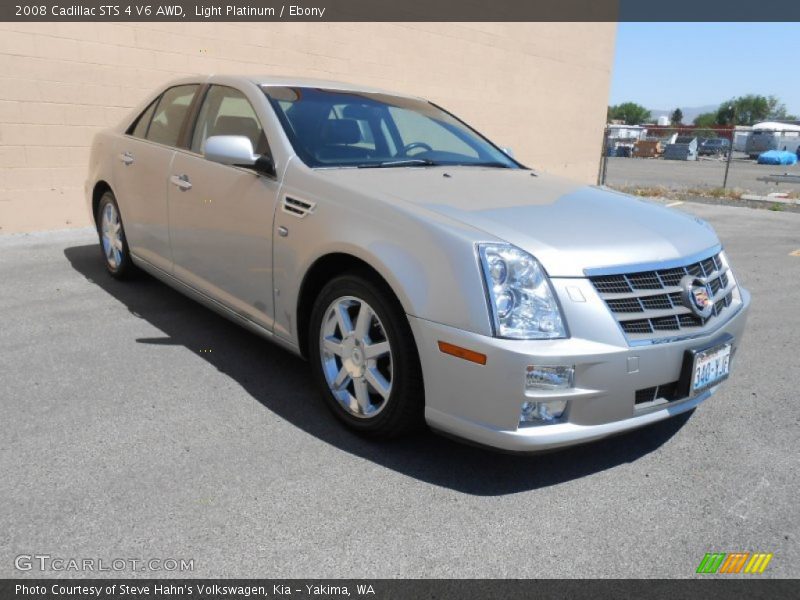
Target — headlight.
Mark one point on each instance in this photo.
(521, 300)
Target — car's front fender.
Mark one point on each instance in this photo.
(428, 260)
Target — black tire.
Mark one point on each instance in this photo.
(403, 411)
(125, 268)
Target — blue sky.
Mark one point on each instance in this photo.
(665, 65)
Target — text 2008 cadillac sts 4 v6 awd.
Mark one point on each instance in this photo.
(425, 274)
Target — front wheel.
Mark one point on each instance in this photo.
(112, 237)
(364, 358)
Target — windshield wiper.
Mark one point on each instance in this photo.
(496, 164)
(405, 162)
(427, 162)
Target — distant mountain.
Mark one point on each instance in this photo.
(690, 113)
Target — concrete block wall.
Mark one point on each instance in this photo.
(540, 88)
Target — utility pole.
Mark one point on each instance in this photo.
(730, 148)
(601, 179)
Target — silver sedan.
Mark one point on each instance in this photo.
(426, 275)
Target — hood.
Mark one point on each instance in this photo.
(568, 227)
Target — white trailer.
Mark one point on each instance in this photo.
(740, 137)
(772, 135)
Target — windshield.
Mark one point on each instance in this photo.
(332, 128)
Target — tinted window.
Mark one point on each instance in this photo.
(140, 129)
(416, 128)
(365, 129)
(170, 114)
(226, 111)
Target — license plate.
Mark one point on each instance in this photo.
(711, 366)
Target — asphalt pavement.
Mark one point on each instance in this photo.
(138, 424)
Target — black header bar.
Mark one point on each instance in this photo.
(401, 10)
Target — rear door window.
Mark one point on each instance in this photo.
(139, 130)
(170, 114)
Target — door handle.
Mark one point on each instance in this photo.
(182, 181)
(126, 158)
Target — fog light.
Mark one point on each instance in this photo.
(542, 413)
(548, 378)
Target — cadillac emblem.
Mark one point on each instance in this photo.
(697, 296)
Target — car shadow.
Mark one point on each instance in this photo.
(281, 382)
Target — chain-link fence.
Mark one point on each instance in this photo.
(659, 160)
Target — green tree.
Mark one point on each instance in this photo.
(777, 110)
(630, 112)
(751, 109)
(677, 117)
(705, 120)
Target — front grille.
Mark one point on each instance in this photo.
(666, 391)
(649, 304)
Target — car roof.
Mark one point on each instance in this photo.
(272, 80)
(288, 81)
(285, 81)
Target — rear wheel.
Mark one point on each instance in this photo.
(113, 244)
(364, 358)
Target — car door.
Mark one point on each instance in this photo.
(221, 216)
(143, 159)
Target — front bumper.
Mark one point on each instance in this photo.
(482, 403)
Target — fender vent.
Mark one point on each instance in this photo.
(298, 208)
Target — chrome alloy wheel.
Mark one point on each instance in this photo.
(356, 357)
(111, 232)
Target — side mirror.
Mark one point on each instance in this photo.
(234, 150)
(237, 151)
(508, 151)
